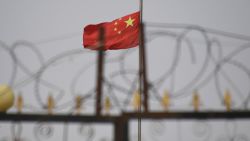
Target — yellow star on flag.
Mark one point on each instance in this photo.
(129, 22)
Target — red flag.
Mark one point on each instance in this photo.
(121, 33)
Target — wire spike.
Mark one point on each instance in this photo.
(136, 100)
(196, 101)
(107, 105)
(165, 100)
(19, 103)
(78, 104)
(50, 104)
(228, 100)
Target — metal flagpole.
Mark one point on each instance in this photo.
(144, 64)
(140, 70)
(100, 68)
(143, 84)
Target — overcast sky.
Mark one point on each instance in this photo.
(39, 20)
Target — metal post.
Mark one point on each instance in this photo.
(100, 66)
(144, 70)
(121, 129)
(142, 66)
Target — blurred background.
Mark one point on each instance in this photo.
(194, 49)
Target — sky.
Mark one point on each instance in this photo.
(25, 19)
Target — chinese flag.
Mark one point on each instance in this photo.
(121, 33)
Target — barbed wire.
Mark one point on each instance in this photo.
(129, 75)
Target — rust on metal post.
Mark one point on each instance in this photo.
(100, 64)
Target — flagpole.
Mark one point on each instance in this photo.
(143, 62)
(140, 69)
(100, 68)
(141, 10)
